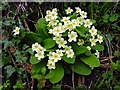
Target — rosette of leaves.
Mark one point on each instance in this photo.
(84, 55)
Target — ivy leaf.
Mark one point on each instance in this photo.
(49, 43)
(81, 68)
(10, 70)
(34, 60)
(69, 60)
(6, 43)
(98, 47)
(56, 74)
(92, 61)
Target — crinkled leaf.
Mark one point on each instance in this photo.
(98, 47)
(37, 76)
(57, 73)
(79, 49)
(49, 43)
(117, 53)
(113, 18)
(82, 30)
(34, 60)
(41, 28)
(92, 61)
(31, 38)
(69, 60)
(81, 68)
(73, 16)
(37, 68)
(93, 21)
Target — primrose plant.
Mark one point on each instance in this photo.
(65, 42)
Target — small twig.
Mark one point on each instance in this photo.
(67, 86)
(73, 76)
(105, 66)
(106, 58)
(30, 20)
(32, 84)
(90, 84)
(79, 81)
(1, 76)
(83, 80)
(41, 12)
(26, 25)
(10, 54)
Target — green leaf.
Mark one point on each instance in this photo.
(7, 22)
(49, 43)
(79, 50)
(41, 28)
(88, 53)
(98, 47)
(117, 87)
(31, 38)
(113, 65)
(81, 68)
(113, 18)
(92, 61)
(19, 84)
(82, 30)
(117, 53)
(105, 17)
(109, 37)
(37, 68)
(37, 76)
(10, 70)
(43, 71)
(73, 16)
(93, 21)
(34, 60)
(56, 74)
(56, 87)
(6, 43)
(69, 60)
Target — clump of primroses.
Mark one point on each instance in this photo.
(58, 27)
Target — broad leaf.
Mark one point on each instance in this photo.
(56, 74)
(34, 60)
(41, 28)
(69, 60)
(49, 43)
(81, 68)
(31, 38)
(37, 76)
(79, 49)
(73, 16)
(37, 68)
(82, 30)
(92, 61)
(113, 18)
(98, 47)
